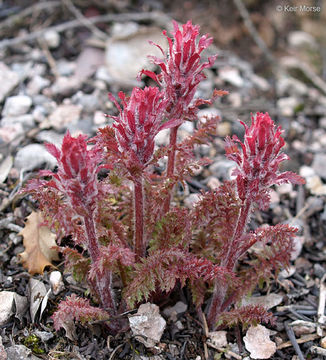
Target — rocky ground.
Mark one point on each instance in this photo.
(59, 59)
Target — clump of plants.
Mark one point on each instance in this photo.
(126, 225)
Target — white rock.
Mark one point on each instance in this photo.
(287, 105)
(258, 343)
(148, 323)
(284, 188)
(286, 273)
(50, 136)
(213, 183)
(5, 167)
(66, 68)
(20, 352)
(33, 156)
(26, 121)
(63, 85)
(235, 99)
(274, 197)
(298, 242)
(260, 82)
(52, 38)
(11, 303)
(299, 39)
(268, 301)
(187, 126)
(44, 335)
(65, 115)
(9, 80)
(102, 73)
(218, 338)
(99, 118)
(37, 84)
(162, 138)
(318, 165)
(301, 327)
(191, 200)
(7, 302)
(124, 30)
(126, 57)
(179, 308)
(9, 133)
(221, 168)
(16, 105)
(208, 112)
(306, 171)
(315, 185)
(290, 86)
(231, 76)
(56, 282)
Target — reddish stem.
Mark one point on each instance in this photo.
(229, 261)
(171, 164)
(231, 258)
(103, 283)
(139, 245)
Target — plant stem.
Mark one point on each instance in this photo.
(171, 164)
(231, 258)
(103, 283)
(139, 245)
(229, 261)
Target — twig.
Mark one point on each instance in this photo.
(321, 305)
(252, 30)
(115, 350)
(291, 336)
(86, 22)
(156, 17)
(205, 328)
(224, 351)
(302, 340)
(13, 19)
(49, 57)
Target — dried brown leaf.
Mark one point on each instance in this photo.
(38, 242)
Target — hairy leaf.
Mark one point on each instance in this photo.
(214, 218)
(73, 309)
(246, 316)
(163, 268)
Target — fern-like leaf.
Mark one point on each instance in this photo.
(111, 257)
(214, 218)
(163, 268)
(73, 309)
(246, 316)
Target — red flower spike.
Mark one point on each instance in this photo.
(259, 160)
(181, 70)
(138, 123)
(77, 172)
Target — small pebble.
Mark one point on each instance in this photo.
(32, 156)
(319, 270)
(52, 38)
(16, 105)
(56, 282)
(9, 80)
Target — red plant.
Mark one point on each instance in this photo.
(149, 249)
(181, 73)
(258, 163)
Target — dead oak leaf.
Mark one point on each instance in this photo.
(38, 242)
